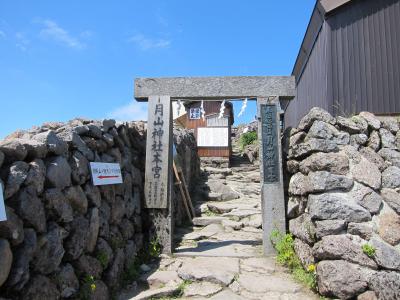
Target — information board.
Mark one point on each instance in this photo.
(3, 216)
(212, 137)
(106, 173)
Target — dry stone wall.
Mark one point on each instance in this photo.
(65, 237)
(344, 202)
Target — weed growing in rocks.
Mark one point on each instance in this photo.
(103, 259)
(155, 248)
(284, 245)
(88, 287)
(368, 250)
(247, 138)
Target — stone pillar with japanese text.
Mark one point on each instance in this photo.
(272, 192)
(158, 175)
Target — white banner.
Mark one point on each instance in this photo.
(3, 216)
(212, 137)
(105, 173)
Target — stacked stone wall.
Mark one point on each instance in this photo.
(344, 202)
(65, 237)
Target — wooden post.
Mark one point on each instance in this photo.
(158, 174)
(272, 193)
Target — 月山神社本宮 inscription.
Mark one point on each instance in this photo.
(156, 185)
(269, 132)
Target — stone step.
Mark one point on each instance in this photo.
(204, 221)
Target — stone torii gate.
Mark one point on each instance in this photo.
(160, 92)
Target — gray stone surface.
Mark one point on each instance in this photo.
(364, 230)
(340, 247)
(386, 285)
(40, 287)
(332, 206)
(373, 157)
(392, 198)
(325, 131)
(336, 163)
(58, 172)
(391, 178)
(16, 177)
(386, 256)
(333, 282)
(303, 228)
(311, 146)
(14, 150)
(6, 258)
(388, 140)
(67, 281)
(389, 227)
(329, 227)
(304, 252)
(215, 87)
(13, 228)
(371, 119)
(219, 270)
(315, 114)
(367, 173)
(203, 289)
(50, 250)
(391, 156)
(31, 209)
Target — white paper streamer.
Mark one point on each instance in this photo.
(202, 111)
(179, 106)
(221, 110)
(244, 105)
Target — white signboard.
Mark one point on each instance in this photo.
(3, 216)
(212, 137)
(105, 173)
(195, 113)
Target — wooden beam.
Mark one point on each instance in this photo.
(214, 88)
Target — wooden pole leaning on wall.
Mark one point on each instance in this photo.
(185, 200)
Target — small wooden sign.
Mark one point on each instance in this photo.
(195, 113)
(106, 173)
(158, 152)
(3, 216)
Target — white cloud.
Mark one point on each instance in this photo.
(22, 41)
(146, 43)
(58, 34)
(2, 34)
(134, 111)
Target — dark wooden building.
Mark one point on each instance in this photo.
(213, 134)
(349, 60)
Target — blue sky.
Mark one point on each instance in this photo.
(66, 59)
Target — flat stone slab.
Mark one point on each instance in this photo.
(257, 283)
(238, 214)
(262, 265)
(219, 270)
(227, 295)
(202, 288)
(221, 249)
(161, 278)
(157, 293)
(204, 233)
(204, 221)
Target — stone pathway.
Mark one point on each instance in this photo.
(220, 257)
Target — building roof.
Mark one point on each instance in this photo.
(322, 10)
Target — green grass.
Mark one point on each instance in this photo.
(247, 138)
(102, 257)
(284, 245)
(368, 250)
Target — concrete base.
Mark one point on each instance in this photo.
(273, 208)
